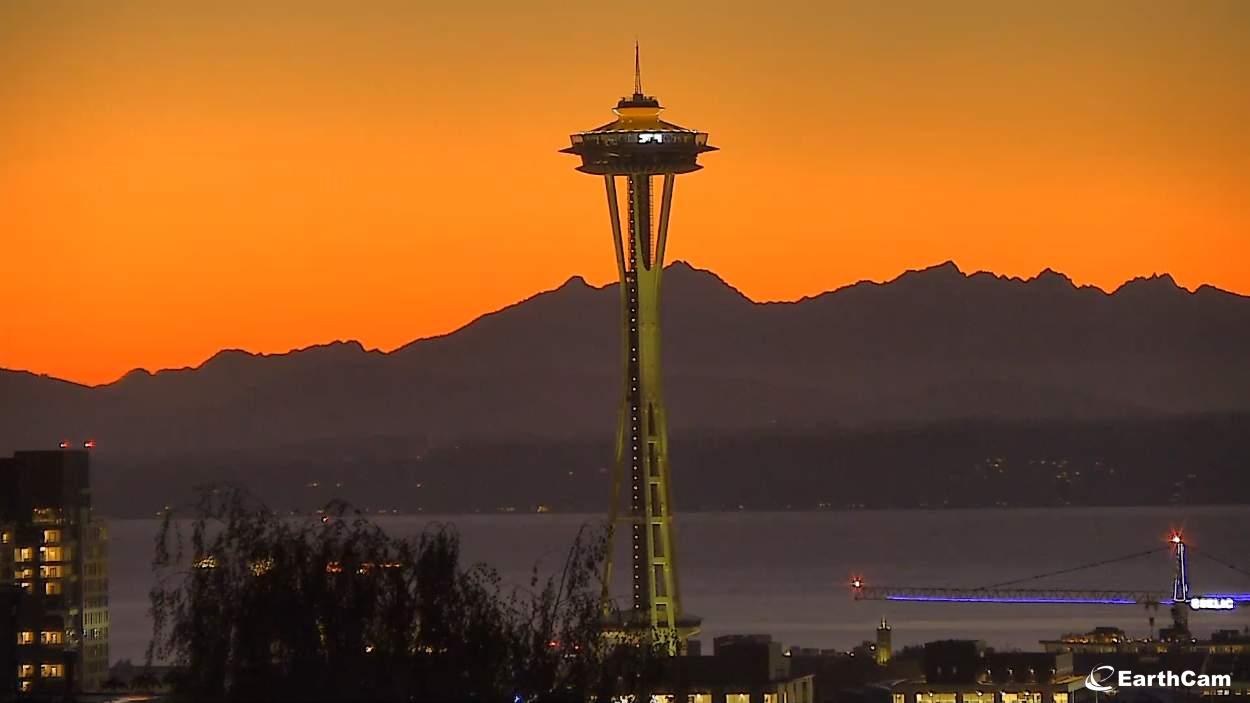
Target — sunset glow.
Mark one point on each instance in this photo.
(177, 179)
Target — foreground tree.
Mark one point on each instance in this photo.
(252, 606)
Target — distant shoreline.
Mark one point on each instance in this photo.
(748, 511)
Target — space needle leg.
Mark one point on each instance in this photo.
(618, 466)
(666, 204)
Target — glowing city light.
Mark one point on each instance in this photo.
(1212, 603)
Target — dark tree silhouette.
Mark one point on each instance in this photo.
(253, 606)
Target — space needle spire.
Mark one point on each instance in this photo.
(637, 71)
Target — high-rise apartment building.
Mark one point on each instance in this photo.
(55, 554)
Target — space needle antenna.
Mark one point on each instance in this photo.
(637, 71)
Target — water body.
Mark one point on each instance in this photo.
(786, 573)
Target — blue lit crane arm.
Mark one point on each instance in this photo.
(1008, 592)
(1036, 596)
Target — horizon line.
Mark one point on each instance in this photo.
(948, 263)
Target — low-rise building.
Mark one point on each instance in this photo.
(741, 669)
(965, 671)
(1113, 640)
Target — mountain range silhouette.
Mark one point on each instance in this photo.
(931, 346)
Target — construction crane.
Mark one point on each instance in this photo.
(1179, 598)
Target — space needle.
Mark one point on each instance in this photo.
(634, 153)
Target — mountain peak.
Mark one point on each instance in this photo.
(336, 350)
(226, 356)
(350, 345)
(702, 283)
(1155, 283)
(945, 272)
(135, 374)
(1053, 279)
(684, 269)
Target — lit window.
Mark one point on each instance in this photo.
(25, 671)
(51, 536)
(51, 637)
(24, 554)
(51, 671)
(50, 554)
(26, 586)
(24, 686)
(54, 571)
(24, 573)
(52, 588)
(26, 637)
(6, 537)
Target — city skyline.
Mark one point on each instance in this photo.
(197, 180)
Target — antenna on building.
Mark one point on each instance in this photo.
(637, 71)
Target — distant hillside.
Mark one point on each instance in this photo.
(1195, 460)
(930, 346)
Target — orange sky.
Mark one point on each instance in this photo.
(178, 179)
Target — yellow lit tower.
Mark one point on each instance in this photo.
(638, 150)
(885, 648)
